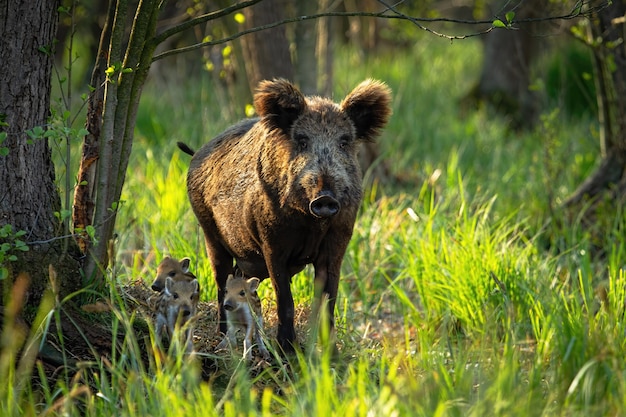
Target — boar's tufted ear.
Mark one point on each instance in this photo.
(369, 108)
(279, 101)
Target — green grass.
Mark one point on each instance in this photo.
(451, 303)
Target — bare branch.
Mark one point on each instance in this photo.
(202, 19)
(582, 8)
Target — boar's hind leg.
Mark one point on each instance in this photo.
(222, 264)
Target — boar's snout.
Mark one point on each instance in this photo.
(228, 305)
(324, 206)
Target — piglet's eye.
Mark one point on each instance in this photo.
(175, 295)
(242, 293)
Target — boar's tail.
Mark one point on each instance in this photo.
(185, 148)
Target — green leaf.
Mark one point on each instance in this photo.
(510, 16)
(4, 151)
(498, 24)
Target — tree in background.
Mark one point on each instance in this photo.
(30, 205)
(605, 35)
(507, 61)
(266, 53)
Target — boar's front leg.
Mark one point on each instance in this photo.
(286, 334)
(326, 285)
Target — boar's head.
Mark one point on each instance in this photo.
(312, 157)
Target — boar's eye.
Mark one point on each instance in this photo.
(344, 141)
(175, 295)
(171, 274)
(302, 141)
(242, 293)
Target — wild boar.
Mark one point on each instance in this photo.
(243, 311)
(281, 191)
(179, 270)
(175, 306)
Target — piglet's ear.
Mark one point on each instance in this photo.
(253, 283)
(184, 264)
(369, 108)
(169, 283)
(280, 102)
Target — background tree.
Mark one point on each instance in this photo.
(29, 198)
(266, 53)
(507, 63)
(606, 34)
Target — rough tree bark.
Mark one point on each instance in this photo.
(28, 194)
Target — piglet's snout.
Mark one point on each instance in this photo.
(324, 206)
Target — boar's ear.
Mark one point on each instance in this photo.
(184, 264)
(279, 101)
(369, 108)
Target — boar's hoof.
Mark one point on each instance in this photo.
(324, 206)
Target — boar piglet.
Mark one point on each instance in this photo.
(169, 267)
(243, 312)
(281, 191)
(175, 306)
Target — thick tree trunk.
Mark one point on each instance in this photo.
(266, 52)
(28, 194)
(508, 55)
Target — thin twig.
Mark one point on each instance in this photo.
(389, 12)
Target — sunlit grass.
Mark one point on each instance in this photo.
(449, 303)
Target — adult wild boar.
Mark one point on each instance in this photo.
(281, 191)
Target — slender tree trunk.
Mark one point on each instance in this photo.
(306, 61)
(267, 52)
(610, 58)
(28, 194)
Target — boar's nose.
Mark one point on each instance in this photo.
(229, 306)
(156, 287)
(324, 206)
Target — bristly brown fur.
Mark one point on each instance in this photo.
(282, 191)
